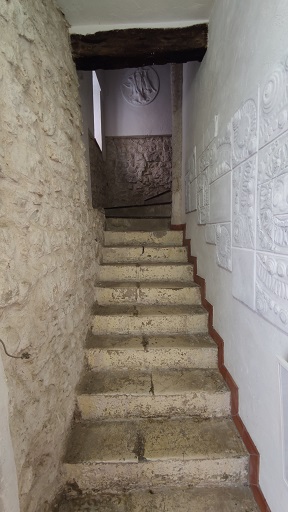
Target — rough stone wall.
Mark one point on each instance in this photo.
(98, 174)
(137, 168)
(49, 255)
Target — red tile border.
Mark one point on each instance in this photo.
(254, 457)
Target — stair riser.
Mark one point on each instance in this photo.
(146, 254)
(156, 210)
(175, 324)
(201, 404)
(137, 224)
(146, 273)
(134, 238)
(128, 475)
(133, 295)
(98, 359)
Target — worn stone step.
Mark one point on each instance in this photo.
(146, 272)
(196, 499)
(126, 351)
(139, 254)
(143, 319)
(137, 224)
(147, 293)
(164, 197)
(140, 238)
(124, 453)
(144, 211)
(151, 393)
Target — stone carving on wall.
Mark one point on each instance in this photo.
(210, 234)
(190, 187)
(191, 168)
(204, 161)
(272, 289)
(221, 154)
(244, 214)
(223, 246)
(244, 132)
(273, 117)
(272, 207)
(191, 196)
(203, 198)
(211, 132)
(140, 86)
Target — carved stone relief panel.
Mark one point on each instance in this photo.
(140, 86)
(273, 115)
(223, 246)
(243, 276)
(272, 289)
(244, 204)
(272, 207)
(211, 132)
(245, 131)
(203, 200)
(220, 200)
(221, 156)
(190, 183)
(204, 161)
(191, 165)
(191, 196)
(210, 234)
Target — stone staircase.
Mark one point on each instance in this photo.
(153, 430)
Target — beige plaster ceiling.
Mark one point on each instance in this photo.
(89, 16)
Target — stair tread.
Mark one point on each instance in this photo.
(162, 381)
(198, 340)
(143, 310)
(148, 264)
(162, 238)
(134, 224)
(207, 499)
(173, 285)
(154, 439)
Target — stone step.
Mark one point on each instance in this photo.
(151, 352)
(145, 254)
(176, 451)
(147, 293)
(143, 319)
(143, 238)
(165, 197)
(146, 272)
(151, 393)
(196, 499)
(131, 224)
(142, 211)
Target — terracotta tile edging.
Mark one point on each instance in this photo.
(254, 457)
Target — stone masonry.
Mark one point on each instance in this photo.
(137, 168)
(48, 259)
(98, 174)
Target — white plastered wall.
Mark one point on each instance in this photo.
(123, 119)
(247, 54)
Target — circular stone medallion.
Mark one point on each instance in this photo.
(140, 86)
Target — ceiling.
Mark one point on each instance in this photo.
(90, 16)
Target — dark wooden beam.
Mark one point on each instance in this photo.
(117, 49)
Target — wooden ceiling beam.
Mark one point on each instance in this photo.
(117, 49)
